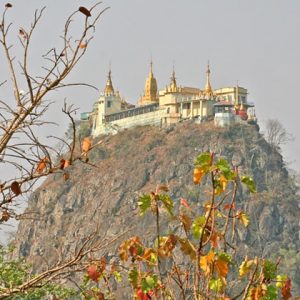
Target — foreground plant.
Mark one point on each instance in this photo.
(199, 259)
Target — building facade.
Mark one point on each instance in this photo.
(111, 113)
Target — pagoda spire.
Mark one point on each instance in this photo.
(208, 89)
(150, 91)
(109, 89)
(151, 69)
(173, 84)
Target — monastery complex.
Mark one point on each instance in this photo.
(226, 106)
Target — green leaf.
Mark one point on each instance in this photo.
(144, 203)
(149, 283)
(272, 293)
(269, 270)
(117, 276)
(167, 202)
(281, 280)
(203, 159)
(249, 182)
(216, 285)
(133, 276)
(225, 257)
(224, 167)
(197, 226)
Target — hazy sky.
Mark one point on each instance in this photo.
(253, 41)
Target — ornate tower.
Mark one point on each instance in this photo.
(109, 89)
(208, 92)
(173, 84)
(150, 92)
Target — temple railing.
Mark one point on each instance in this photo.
(131, 112)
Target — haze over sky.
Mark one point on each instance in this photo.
(255, 42)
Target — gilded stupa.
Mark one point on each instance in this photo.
(173, 84)
(150, 93)
(109, 89)
(208, 91)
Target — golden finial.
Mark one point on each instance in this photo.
(208, 90)
(173, 84)
(150, 92)
(151, 67)
(109, 89)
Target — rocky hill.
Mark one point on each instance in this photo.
(105, 196)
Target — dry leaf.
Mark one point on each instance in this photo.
(93, 273)
(15, 187)
(8, 5)
(66, 176)
(85, 11)
(82, 46)
(214, 239)
(162, 187)
(222, 267)
(186, 221)
(86, 145)
(21, 32)
(5, 216)
(41, 166)
(229, 206)
(64, 163)
(244, 218)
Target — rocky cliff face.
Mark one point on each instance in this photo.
(105, 196)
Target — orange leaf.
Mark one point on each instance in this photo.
(221, 267)
(86, 145)
(184, 203)
(286, 290)
(93, 273)
(141, 296)
(82, 46)
(41, 166)
(62, 164)
(198, 174)
(67, 163)
(206, 261)
(256, 294)
(15, 187)
(214, 239)
(229, 206)
(85, 11)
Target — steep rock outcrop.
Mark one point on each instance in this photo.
(105, 195)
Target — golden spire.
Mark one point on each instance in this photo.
(150, 92)
(109, 89)
(151, 72)
(173, 84)
(208, 90)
